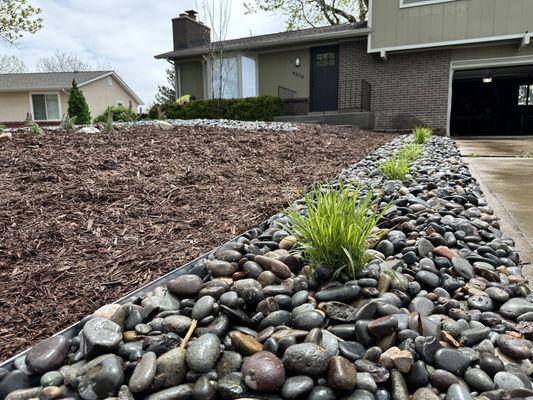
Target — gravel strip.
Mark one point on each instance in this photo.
(231, 124)
(214, 123)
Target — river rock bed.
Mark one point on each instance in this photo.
(229, 124)
(441, 312)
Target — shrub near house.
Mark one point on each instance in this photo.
(117, 114)
(77, 105)
(263, 108)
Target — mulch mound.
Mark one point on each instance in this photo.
(85, 219)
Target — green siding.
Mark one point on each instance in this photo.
(468, 53)
(393, 26)
(192, 78)
(278, 69)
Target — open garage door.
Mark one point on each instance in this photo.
(492, 101)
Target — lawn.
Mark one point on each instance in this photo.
(86, 219)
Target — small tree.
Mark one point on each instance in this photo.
(166, 94)
(77, 105)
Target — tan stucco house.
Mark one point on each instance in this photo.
(44, 96)
(461, 66)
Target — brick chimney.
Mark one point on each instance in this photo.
(188, 32)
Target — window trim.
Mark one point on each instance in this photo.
(423, 3)
(32, 111)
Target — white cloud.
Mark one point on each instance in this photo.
(124, 33)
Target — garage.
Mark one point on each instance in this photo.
(492, 102)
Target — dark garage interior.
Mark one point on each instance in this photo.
(493, 102)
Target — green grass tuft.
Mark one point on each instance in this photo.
(35, 129)
(68, 123)
(396, 167)
(421, 134)
(411, 151)
(335, 230)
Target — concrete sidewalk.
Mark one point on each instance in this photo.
(504, 169)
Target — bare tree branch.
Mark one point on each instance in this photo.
(11, 65)
(62, 61)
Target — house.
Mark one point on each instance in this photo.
(461, 66)
(44, 96)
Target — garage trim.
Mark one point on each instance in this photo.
(480, 63)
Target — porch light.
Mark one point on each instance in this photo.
(297, 61)
(487, 79)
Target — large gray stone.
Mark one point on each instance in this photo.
(101, 378)
(306, 358)
(202, 354)
(48, 355)
(101, 335)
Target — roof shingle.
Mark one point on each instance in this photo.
(273, 39)
(46, 80)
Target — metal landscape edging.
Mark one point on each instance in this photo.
(73, 329)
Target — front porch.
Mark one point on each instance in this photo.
(353, 110)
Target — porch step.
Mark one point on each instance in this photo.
(363, 120)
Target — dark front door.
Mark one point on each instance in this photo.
(324, 78)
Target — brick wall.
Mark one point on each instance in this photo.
(407, 89)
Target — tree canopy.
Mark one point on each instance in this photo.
(18, 17)
(302, 14)
(77, 105)
(63, 61)
(11, 65)
(167, 93)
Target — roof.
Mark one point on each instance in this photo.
(56, 81)
(47, 80)
(275, 39)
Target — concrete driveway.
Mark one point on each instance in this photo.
(504, 168)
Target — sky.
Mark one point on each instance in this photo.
(125, 34)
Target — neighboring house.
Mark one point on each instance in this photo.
(44, 96)
(462, 66)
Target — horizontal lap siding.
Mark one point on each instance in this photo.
(453, 20)
(407, 89)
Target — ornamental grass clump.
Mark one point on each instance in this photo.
(421, 134)
(335, 229)
(35, 130)
(396, 167)
(68, 123)
(411, 151)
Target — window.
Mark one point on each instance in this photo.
(249, 86)
(225, 78)
(232, 77)
(45, 107)
(414, 3)
(525, 95)
(325, 59)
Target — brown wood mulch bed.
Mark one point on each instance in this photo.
(85, 219)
